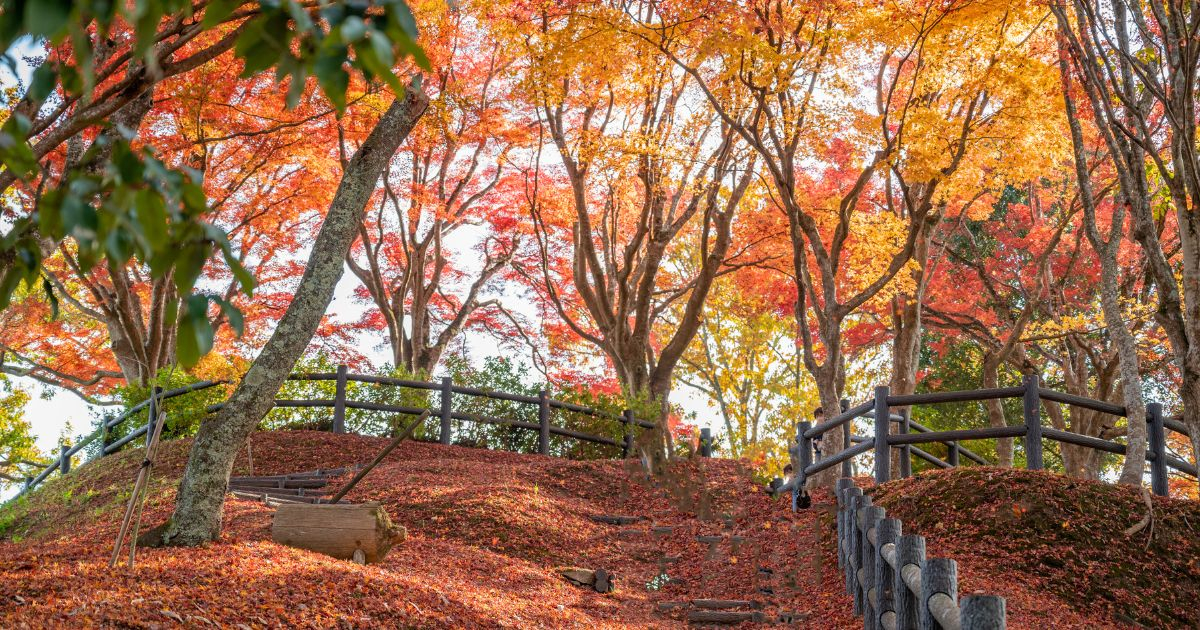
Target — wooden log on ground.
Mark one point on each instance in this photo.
(719, 604)
(725, 616)
(337, 530)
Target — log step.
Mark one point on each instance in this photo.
(610, 519)
(315, 482)
(725, 616)
(273, 499)
(721, 604)
(258, 494)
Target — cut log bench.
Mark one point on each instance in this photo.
(361, 532)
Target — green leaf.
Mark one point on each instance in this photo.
(48, 288)
(195, 337)
(332, 76)
(41, 84)
(217, 11)
(48, 18)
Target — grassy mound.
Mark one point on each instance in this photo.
(1026, 535)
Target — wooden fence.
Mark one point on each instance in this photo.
(911, 433)
(445, 414)
(895, 587)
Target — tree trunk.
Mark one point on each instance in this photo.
(198, 509)
(995, 411)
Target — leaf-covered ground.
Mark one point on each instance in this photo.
(486, 531)
(1023, 534)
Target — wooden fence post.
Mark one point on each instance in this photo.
(28, 484)
(543, 423)
(1033, 423)
(887, 531)
(983, 612)
(706, 442)
(847, 471)
(853, 495)
(627, 447)
(952, 450)
(910, 549)
(1158, 446)
(905, 449)
(447, 392)
(856, 550)
(871, 518)
(804, 458)
(938, 575)
(339, 401)
(883, 460)
(843, 485)
(105, 435)
(64, 460)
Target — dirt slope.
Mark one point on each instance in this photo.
(486, 531)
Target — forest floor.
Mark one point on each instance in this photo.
(487, 529)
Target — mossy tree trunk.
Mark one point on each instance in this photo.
(198, 509)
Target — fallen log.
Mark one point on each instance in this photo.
(361, 532)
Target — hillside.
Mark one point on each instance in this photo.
(486, 531)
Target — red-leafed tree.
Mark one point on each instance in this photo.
(444, 226)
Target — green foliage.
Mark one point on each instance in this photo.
(361, 421)
(120, 204)
(502, 375)
(958, 368)
(16, 438)
(184, 412)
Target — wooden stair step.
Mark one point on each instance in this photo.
(270, 498)
(614, 519)
(725, 616)
(280, 483)
(709, 539)
(721, 604)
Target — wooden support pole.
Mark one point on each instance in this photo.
(905, 449)
(64, 460)
(805, 456)
(339, 401)
(378, 458)
(910, 549)
(447, 393)
(952, 450)
(883, 421)
(887, 532)
(705, 442)
(1158, 446)
(983, 612)
(1033, 423)
(543, 423)
(939, 577)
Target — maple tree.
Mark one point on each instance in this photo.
(636, 173)
(450, 181)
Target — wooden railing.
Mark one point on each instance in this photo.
(445, 413)
(910, 433)
(895, 587)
